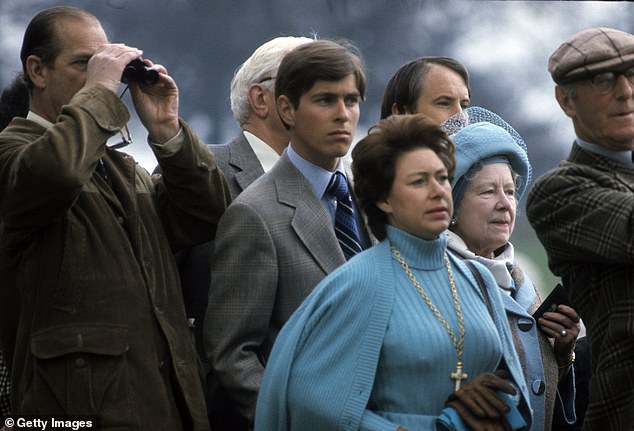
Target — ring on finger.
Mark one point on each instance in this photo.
(563, 333)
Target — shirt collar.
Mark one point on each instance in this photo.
(317, 176)
(623, 157)
(38, 119)
(264, 153)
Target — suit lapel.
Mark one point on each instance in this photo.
(246, 177)
(310, 221)
(242, 157)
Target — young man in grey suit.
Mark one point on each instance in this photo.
(277, 240)
(261, 141)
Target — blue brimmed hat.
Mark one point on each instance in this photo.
(488, 143)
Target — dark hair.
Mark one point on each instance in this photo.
(374, 160)
(14, 101)
(40, 36)
(406, 85)
(314, 61)
(41, 39)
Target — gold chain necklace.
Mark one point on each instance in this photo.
(458, 343)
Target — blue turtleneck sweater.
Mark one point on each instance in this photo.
(363, 351)
(417, 344)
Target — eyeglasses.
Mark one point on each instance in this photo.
(605, 82)
(126, 139)
(268, 78)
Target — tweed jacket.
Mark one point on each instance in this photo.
(274, 244)
(583, 213)
(98, 322)
(5, 390)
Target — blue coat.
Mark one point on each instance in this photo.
(548, 398)
(332, 344)
(552, 400)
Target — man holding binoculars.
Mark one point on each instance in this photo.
(92, 320)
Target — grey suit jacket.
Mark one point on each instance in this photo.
(274, 244)
(241, 167)
(239, 163)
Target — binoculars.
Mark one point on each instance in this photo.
(137, 71)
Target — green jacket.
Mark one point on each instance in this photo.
(92, 310)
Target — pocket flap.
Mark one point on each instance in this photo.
(62, 340)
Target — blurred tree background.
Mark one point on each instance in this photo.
(505, 46)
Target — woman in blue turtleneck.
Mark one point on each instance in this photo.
(401, 336)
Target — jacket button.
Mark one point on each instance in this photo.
(80, 363)
(538, 387)
(524, 324)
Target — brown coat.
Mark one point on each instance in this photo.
(100, 326)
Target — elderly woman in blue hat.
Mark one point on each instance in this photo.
(492, 174)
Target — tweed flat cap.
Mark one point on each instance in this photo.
(589, 52)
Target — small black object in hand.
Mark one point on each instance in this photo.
(137, 71)
(555, 298)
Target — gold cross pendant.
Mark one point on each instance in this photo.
(458, 376)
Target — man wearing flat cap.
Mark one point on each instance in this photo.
(583, 211)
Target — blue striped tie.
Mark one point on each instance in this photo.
(345, 225)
